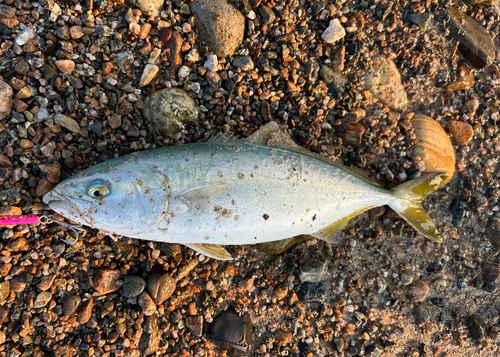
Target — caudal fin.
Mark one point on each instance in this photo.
(408, 206)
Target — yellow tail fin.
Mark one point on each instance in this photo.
(410, 194)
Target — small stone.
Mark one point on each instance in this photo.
(460, 131)
(170, 110)
(245, 63)
(7, 11)
(85, 311)
(161, 287)
(115, 121)
(151, 337)
(48, 149)
(147, 304)
(477, 327)
(23, 93)
(53, 172)
(267, 15)
(124, 59)
(107, 67)
(476, 44)
(422, 313)
(235, 331)
(26, 144)
(149, 7)
(334, 77)
(351, 133)
(4, 290)
(46, 282)
(494, 332)
(65, 66)
(195, 325)
(133, 286)
(10, 196)
(420, 19)
(220, 25)
(150, 71)
(122, 249)
(4, 314)
(43, 187)
(313, 270)
(211, 63)
(184, 72)
(384, 82)
(26, 35)
(76, 32)
(71, 304)
(105, 281)
(6, 103)
(67, 122)
(42, 299)
(406, 279)
(174, 47)
(17, 244)
(313, 292)
(465, 80)
(246, 284)
(419, 291)
(490, 271)
(334, 32)
(280, 292)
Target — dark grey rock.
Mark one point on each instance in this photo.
(267, 15)
(151, 337)
(245, 63)
(234, 331)
(476, 44)
(310, 292)
(124, 59)
(422, 313)
(71, 100)
(59, 248)
(489, 287)
(460, 212)
(133, 286)
(420, 19)
(477, 327)
(493, 230)
(71, 304)
(11, 196)
(313, 270)
(5, 64)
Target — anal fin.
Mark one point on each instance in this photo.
(210, 250)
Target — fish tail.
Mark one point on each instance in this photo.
(408, 203)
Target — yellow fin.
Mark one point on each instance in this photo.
(272, 135)
(332, 233)
(411, 194)
(210, 250)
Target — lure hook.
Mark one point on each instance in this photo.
(76, 229)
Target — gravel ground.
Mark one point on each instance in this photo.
(83, 82)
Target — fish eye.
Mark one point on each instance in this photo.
(98, 190)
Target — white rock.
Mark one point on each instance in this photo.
(148, 74)
(193, 56)
(6, 93)
(154, 56)
(334, 32)
(26, 35)
(184, 72)
(212, 63)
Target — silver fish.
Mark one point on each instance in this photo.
(228, 192)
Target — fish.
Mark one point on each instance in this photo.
(229, 192)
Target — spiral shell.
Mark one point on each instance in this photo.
(434, 146)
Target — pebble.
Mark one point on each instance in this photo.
(477, 326)
(465, 80)
(174, 46)
(133, 286)
(26, 35)
(493, 230)
(313, 292)
(233, 330)
(313, 270)
(406, 279)
(147, 304)
(23, 93)
(351, 133)
(43, 187)
(161, 287)
(245, 63)
(149, 7)
(26, 144)
(85, 311)
(46, 282)
(476, 44)
(212, 63)
(53, 172)
(67, 122)
(76, 32)
(6, 103)
(384, 82)
(171, 110)
(421, 19)
(223, 33)
(122, 249)
(422, 313)
(280, 292)
(195, 325)
(65, 66)
(4, 314)
(334, 77)
(71, 304)
(4, 290)
(267, 15)
(334, 32)
(151, 336)
(150, 71)
(115, 121)
(490, 271)
(42, 299)
(460, 131)
(419, 291)
(105, 281)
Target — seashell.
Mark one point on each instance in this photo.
(434, 146)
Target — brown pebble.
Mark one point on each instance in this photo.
(161, 287)
(53, 172)
(10, 211)
(230, 269)
(490, 271)
(17, 244)
(419, 291)
(460, 131)
(26, 144)
(192, 309)
(351, 133)
(4, 290)
(4, 314)
(5, 161)
(71, 304)
(43, 187)
(115, 121)
(377, 212)
(280, 292)
(85, 311)
(195, 325)
(105, 281)
(42, 299)
(46, 282)
(107, 67)
(246, 284)
(147, 304)
(65, 66)
(465, 80)
(76, 32)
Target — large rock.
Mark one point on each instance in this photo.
(476, 44)
(384, 82)
(220, 25)
(151, 337)
(170, 110)
(5, 99)
(148, 7)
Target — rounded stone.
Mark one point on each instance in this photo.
(419, 291)
(42, 299)
(71, 304)
(133, 286)
(161, 287)
(6, 103)
(245, 63)
(234, 330)
(65, 66)
(313, 270)
(460, 131)
(147, 304)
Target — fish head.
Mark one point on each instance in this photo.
(123, 197)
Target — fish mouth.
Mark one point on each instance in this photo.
(67, 207)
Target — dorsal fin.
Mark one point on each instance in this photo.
(222, 137)
(272, 135)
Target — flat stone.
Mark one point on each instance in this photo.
(122, 249)
(173, 47)
(43, 187)
(67, 122)
(46, 282)
(133, 286)
(76, 32)
(313, 270)
(476, 44)
(490, 271)
(161, 287)
(477, 326)
(460, 131)
(245, 63)
(151, 337)
(150, 71)
(85, 311)
(351, 133)
(147, 304)
(4, 290)
(65, 66)
(267, 15)
(71, 304)
(25, 35)
(115, 121)
(6, 103)
(422, 313)
(313, 292)
(42, 299)
(195, 325)
(419, 291)
(334, 32)
(4, 314)
(53, 172)
(220, 25)
(233, 330)
(105, 281)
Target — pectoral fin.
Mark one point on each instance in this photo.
(200, 197)
(210, 250)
